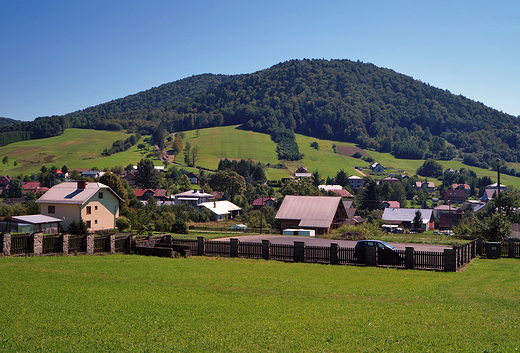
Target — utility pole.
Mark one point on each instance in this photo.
(498, 184)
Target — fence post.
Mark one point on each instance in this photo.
(233, 249)
(408, 257)
(450, 260)
(265, 249)
(200, 246)
(130, 243)
(64, 244)
(111, 243)
(511, 247)
(37, 246)
(370, 256)
(89, 238)
(333, 254)
(480, 245)
(6, 244)
(299, 251)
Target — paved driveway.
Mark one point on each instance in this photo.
(312, 241)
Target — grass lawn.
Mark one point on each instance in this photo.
(147, 304)
(75, 148)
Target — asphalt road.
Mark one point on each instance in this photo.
(312, 241)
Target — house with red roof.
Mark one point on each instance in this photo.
(263, 202)
(145, 194)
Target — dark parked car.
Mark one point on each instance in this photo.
(387, 254)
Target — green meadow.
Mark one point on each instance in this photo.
(234, 143)
(146, 304)
(80, 148)
(75, 148)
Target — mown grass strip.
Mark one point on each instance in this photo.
(133, 303)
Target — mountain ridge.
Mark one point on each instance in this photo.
(343, 100)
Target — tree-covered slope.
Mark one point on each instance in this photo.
(337, 99)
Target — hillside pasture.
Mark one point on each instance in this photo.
(147, 304)
(75, 148)
(82, 148)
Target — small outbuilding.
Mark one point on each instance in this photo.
(37, 223)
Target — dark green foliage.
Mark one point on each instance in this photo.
(370, 197)
(15, 188)
(120, 145)
(146, 174)
(245, 168)
(315, 145)
(430, 168)
(407, 150)
(77, 228)
(179, 227)
(417, 220)
(357, 155)
(286, 145)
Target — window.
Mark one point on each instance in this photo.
(51, 209)
(95, 221)
(95, 208)
(89, 210)
(88, 224)
(100, 195)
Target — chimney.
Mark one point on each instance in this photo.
(81, 184)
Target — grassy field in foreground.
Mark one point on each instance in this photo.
(148, 304)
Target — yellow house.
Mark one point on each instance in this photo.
(94, 203)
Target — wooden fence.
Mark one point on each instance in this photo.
(448, 260)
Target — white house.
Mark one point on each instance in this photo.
(355, 182)
(192, 197)
(222, 209)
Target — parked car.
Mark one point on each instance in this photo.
(238, 227)
(387, 254)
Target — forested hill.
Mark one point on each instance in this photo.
(337, 99)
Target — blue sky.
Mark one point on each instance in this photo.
(59, 56)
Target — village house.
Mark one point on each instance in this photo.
(194, 179)
(391, 204)
(337, 189)
(454, 196)
(465, 187)
(449, 216)
(427, 185)
(320, 213)
(94, 203)
(145, 194)
(495, 187)
(221, 210)
(488, 195)
(403, 217)
(389, 180)
(262, 202)
(377, 168)
(302, 172)
(355, 182)
(94, 174)
(192, 197)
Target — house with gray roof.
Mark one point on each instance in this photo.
(94, 203)
(403, 217)
(221, 210)
(321, 213)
